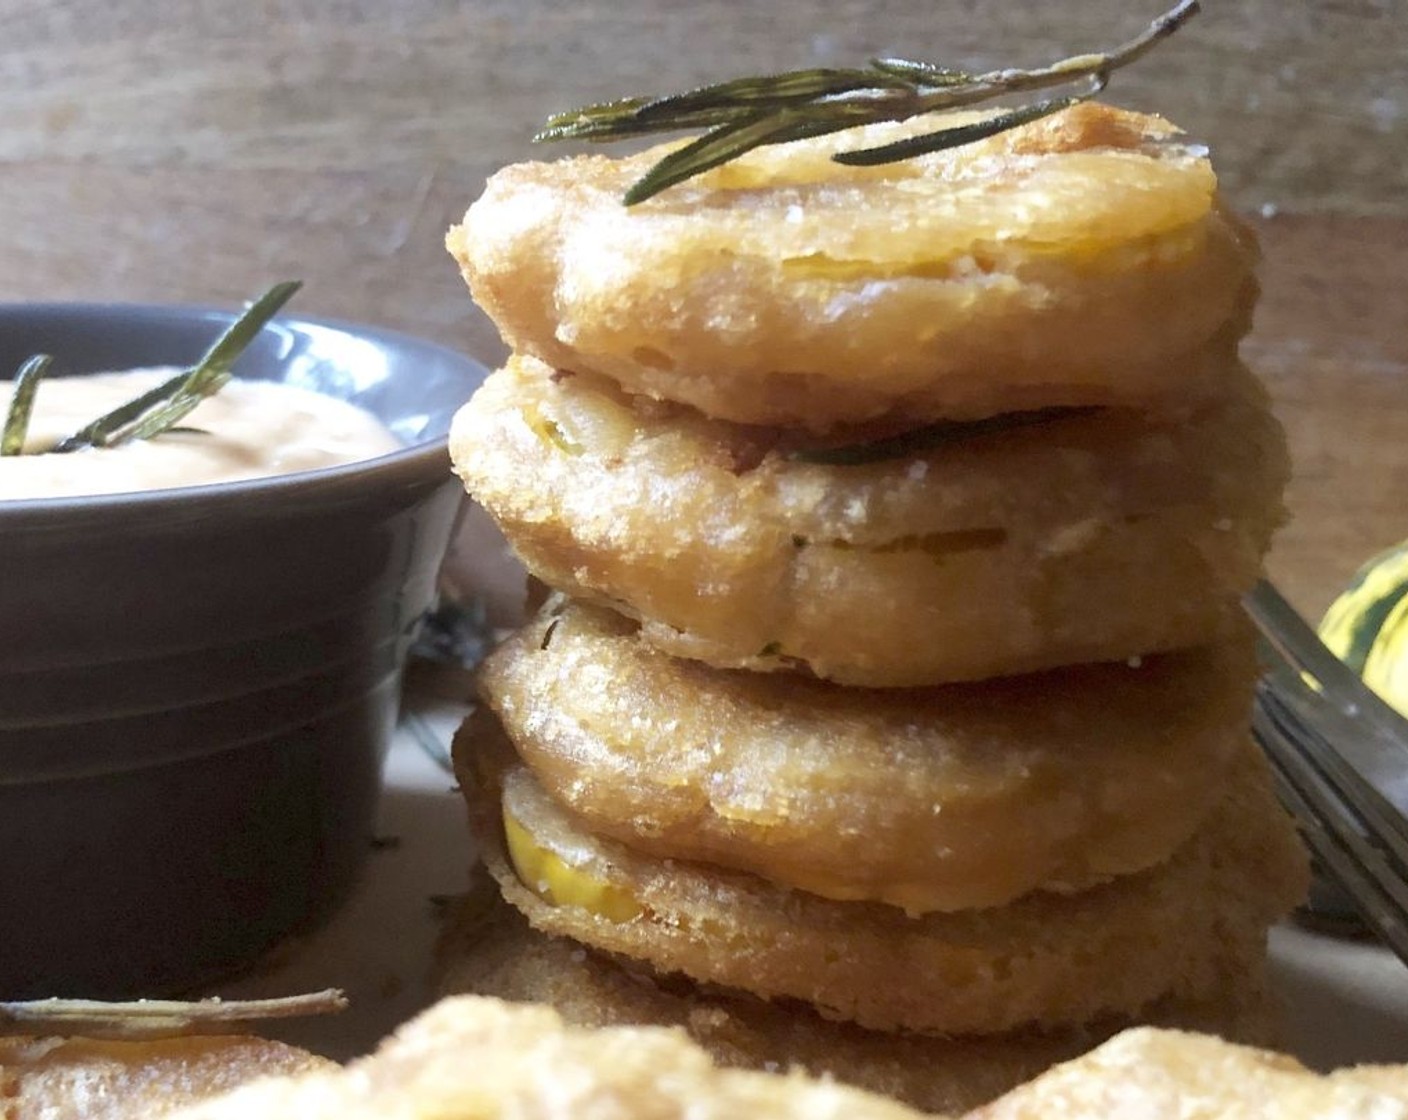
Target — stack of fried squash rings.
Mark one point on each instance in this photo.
(889, 714)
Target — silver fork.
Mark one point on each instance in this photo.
(1340, 755)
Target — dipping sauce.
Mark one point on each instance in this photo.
(252, 429)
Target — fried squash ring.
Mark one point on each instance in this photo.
(937, 799)
(58, 1078)
(1091, 537)
(476, 1058)
(1083, 259)
(1044, 961)
(1161, 1073)
(489, 948)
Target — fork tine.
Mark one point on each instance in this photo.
(1303, 651)
(1289, 634)
(1340, 757)
(1326, 837)
(1345, 801)
(1376, 814)
(1354, 724)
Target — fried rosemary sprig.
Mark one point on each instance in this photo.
(930, 437)
(153, 1018)
(160, 409)
(752, 112)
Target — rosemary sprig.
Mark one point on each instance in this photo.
(162, 408)
(151, 1019)
(936, 435)
(22, 404)
(751, 112)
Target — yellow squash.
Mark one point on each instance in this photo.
(557, 882)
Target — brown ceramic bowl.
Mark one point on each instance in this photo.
(197, 685)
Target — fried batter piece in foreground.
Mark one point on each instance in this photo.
(1171, 1075)
(1082, 259)
(470, 1058)
(1088, 538)
(479, 1059)
(92, 1079)
(1175, 930)
(937, 799)
(490, 949)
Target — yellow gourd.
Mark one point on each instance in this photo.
(1367, 626)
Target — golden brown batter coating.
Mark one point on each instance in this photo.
(94, 1079)
(1172, 1075)
(937, 799)
(481, 1059)
(1089, 538)
(1083, 259)
(491, 950)
(471, 1058)
(1046, 960)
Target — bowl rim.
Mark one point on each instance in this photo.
(399, 467)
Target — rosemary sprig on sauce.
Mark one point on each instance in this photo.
(752, 112)
(163, 408)
(22, 404)
(151, 1019)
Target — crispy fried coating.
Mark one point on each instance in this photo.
(488, 948)
(1083, 259)
(470, 1058)
(935, 799)
(1174, 1075)
(1045, 960)
(476, 1058)
(92, 1079)
(1088, 538)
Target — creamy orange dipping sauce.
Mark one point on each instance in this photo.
(255, 429)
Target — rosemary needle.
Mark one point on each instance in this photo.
(748, 113)
(22, 404)
(152, 1019)
(162, 408)
(942, 433)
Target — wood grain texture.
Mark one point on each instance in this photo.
(1332, 344)
(196, 150)
(1305, 101)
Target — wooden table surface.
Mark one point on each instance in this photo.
(1332, 343)
(197, 150)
